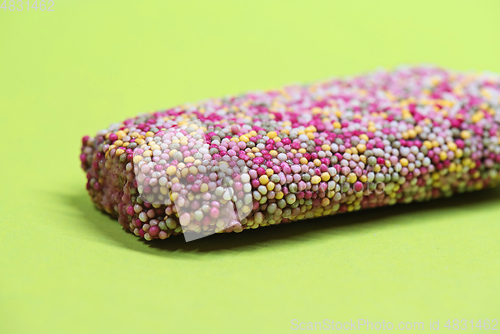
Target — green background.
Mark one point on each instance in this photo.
(67, 268)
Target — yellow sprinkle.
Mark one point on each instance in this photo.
(428, 144)
(302, 150)
(263, 179)
(326, 147)
(303, 161)
(279, 195)
(452, 146)
(137, 159)
(149, 134)
(477, 117)
(272, 134)
(270, 186)
(134, 134)
(317, 162)
(121, 134)
(171, 170)
(336, 125)
(204, 187)
(443, 155)
(273, 153)
(465, 134)
(315, 179)
(352, 178)
(193, 170)
(364, 137)
(310, 135)
(406, 114)
(363, 178)
(325, 176)
(459, 153)
(119, 152)
(147, 153)
(361, 148)
(404, 162)
(140, 141)
(269, 172)
(244, 138)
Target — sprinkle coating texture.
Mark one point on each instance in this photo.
(303, 151)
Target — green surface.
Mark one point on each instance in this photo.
(67, 268)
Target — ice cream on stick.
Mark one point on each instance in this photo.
(303, 151)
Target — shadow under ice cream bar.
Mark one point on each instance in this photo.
(272, 157)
